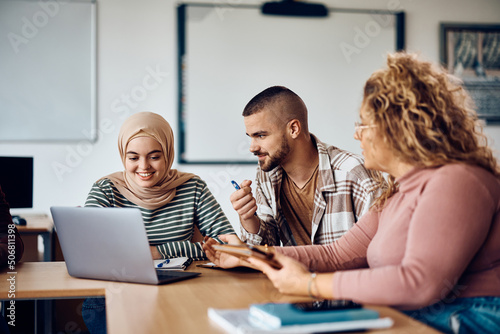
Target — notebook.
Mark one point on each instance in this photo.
(109, 244)
(276, 315)
(239, 321)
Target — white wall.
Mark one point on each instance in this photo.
(137, 39)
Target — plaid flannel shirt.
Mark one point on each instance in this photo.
(344, 192)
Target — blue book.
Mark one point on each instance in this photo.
(276, 315)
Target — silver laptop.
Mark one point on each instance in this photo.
(108, 244)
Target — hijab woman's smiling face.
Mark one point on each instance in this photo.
(145, 162)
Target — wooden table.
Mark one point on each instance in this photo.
(179, 307)
(36, 224)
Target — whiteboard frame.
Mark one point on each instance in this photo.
(399, 21)
(89, 129)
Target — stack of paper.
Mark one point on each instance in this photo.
(176, 263)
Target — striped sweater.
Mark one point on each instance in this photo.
(171, 227)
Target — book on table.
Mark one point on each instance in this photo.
(276, 315)
(287, 318)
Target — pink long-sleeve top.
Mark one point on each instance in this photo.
(437, 238)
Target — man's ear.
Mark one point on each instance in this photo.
(294, 128)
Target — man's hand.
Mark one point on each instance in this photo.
(245, 204)
(223, 260)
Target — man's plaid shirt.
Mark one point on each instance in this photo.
(344, 192)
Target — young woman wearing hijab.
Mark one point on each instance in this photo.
(431, 245)
(171, 202)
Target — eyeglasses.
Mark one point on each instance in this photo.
(359, 127)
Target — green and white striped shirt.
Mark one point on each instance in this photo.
(171, 227)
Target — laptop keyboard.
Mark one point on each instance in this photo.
(169, 273)
(174, 274)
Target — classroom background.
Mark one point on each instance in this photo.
(134, 37)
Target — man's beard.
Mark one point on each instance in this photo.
(273, 161)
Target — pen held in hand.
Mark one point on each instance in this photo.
(237, 187)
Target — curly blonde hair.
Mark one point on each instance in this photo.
(425, 116)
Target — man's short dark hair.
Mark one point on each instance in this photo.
(267, 97)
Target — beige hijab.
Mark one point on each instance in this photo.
(152, 125)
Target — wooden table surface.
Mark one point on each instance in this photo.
(36, 223)
(179, 307)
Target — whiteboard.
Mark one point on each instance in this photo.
(47, 70)
(227, 55)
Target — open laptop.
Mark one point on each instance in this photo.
(109, 244)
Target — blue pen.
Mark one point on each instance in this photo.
(162, 263)
(237, 187)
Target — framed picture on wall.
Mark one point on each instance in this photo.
(472, 53)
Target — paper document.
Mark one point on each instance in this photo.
(176, 263)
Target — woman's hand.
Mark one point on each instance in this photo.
(291, 279)
(223, 260)
(294, 278)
